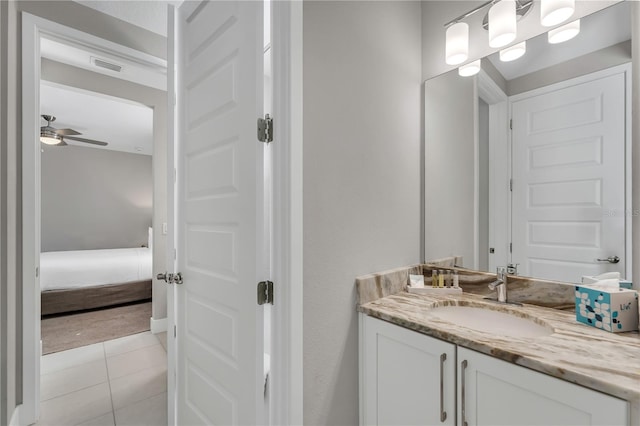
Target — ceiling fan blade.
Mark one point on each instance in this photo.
(91, 141)
(67, 132)
(62, 143)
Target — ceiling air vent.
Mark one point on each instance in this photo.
(104, 64)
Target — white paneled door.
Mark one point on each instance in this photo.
(569, 180)
(219, 219)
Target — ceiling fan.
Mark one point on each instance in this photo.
(52, 136)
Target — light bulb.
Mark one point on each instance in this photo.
(554, 12)
(564, 33)
(472, 68)
(457, 47)
(502, 23)
(512, 53)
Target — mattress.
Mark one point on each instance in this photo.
(86, 268)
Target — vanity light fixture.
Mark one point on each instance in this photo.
(564, 33)
(554, 12)
(467, 70)
(502, 23)
(457, 44)
(512, 53)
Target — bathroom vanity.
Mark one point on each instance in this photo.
(464, 360)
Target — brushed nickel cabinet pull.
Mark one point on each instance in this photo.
(464, 402)
(443, 414)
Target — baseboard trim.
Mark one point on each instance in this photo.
(15, 417)
(158, 325)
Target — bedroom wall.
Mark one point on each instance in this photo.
(94, 198)
(157, 99)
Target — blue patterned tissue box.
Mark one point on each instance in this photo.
(610, 309)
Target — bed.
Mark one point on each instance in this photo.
(88, 279)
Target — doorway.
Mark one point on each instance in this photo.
(120, 218)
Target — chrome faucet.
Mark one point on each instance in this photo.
(500, 284)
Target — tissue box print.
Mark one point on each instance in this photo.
(614, 310)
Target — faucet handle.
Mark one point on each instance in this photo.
(512, 269)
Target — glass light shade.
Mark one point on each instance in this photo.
(564, 33)
(554, 12)
(457, 47)
(512, 53)
(472, 68)
(502, 23)
(49, 140)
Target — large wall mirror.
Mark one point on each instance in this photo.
(529, 161)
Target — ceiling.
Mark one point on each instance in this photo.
(126, 126)
(150, 15)
(597, 31)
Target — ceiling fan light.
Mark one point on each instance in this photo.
(457, 43)
(512, 53)
(564, 33)
(467, 70)
(49, 137)
(554, 12)
(49, 140)
(502, 23)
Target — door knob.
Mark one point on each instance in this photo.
(170, 278)
(610, 259)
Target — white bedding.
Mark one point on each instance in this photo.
(85, 268)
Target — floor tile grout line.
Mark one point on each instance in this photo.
(68, 368)
(73, 391)
(113, 411)
(133, 350)
(142, 400)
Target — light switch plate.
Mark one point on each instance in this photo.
(164, 228)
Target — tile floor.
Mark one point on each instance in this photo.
(118, 382)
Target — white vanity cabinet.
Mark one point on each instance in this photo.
(408, 378)
(495, 392)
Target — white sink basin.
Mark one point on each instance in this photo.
(491, 321)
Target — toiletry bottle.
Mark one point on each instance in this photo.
(456, 280)
(449, 281)
(434, 278)
(441, 278)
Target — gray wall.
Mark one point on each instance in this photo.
(450, 135)
(10, 267)
(635, 108)
(156, 99)
(362, 197)
(94, 198)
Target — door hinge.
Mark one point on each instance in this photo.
(175, 331)
(511, 185)
(510, 247)
(37, 271)
(265, 292)
(265, 129)
(511, 123)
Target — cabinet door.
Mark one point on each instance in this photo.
(407, 378)
(494, 392)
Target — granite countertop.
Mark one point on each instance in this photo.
(603, 361)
